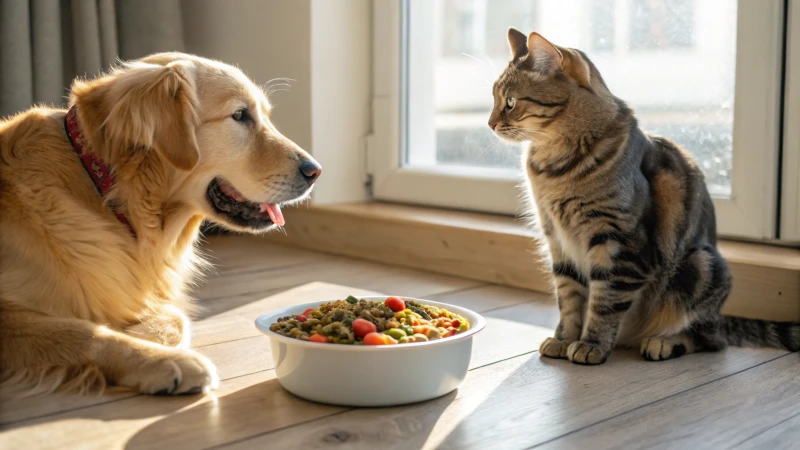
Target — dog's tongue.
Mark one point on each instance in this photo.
(275, 214)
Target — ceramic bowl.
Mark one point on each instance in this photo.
(365, 375)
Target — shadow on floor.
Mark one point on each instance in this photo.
(266, 412)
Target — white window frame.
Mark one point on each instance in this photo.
(790, 192)
(751, 210)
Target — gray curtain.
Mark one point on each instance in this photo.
(45, 44)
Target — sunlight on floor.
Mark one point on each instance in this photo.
(464, 405)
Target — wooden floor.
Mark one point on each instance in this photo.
(512, 398)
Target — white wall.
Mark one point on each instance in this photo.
(324, 46)
(340, 95)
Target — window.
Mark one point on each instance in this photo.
(705, 73)
(602, 26)
(660, 24)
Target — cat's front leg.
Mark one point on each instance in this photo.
(571, 293)
(613, 289)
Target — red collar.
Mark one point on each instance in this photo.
(95, 167)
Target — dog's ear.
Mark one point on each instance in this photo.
(146, 105)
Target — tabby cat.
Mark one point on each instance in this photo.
(627, 218)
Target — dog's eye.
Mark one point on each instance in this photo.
(510, 102)
(240, 115)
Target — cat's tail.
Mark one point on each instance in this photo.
(742, 332)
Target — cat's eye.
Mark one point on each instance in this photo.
(240, 115)
(510, 102)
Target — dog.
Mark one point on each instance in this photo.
(100, 211)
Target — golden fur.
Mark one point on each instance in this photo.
(83, 304)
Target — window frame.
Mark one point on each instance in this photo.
(790, 192)
(750, 212)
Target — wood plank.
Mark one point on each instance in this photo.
(783, 435)
(19, 410)
(500, 250)
(721, 414)
(764, 293)
(477, 246)
(493, 296)
(191, 422)
(237, 253)
(359, 274)
(516, 403)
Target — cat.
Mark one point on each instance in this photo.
(628, 224)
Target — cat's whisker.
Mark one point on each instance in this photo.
(492, 70)
(495, 72)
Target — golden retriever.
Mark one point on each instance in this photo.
(87, 302)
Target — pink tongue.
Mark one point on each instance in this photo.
(275, 214)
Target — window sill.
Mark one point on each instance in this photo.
(498, 249)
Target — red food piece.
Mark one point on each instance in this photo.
(307, 312)
(301, 318)
(395, 304)
(455, 324)
(363, 327)
(318, 338)
(374, 338)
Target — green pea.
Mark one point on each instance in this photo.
(351, 299)
(409, 331)
(396, 333)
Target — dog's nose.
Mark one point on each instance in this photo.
(492, 125)
(310, 171)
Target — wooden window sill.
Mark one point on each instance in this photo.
(501, 250)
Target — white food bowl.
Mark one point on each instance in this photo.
(371, 375)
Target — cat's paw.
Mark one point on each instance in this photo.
(586, 353)
(662, 348)
(554, 348)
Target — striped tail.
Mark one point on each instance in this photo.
(742, 332)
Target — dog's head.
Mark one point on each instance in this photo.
(209, 126)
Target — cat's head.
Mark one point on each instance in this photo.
(545, 90)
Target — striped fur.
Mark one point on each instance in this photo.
(628, 221)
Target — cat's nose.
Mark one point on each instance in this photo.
(492, 125)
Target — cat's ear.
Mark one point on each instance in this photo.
(576, 67)
(548, 57)
(518, 43)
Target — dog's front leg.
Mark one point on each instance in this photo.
(38, 350)
(169, 326)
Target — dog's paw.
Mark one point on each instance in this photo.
(585, 353)
(554, 348)
(179, 372)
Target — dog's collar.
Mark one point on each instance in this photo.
(95, 167)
